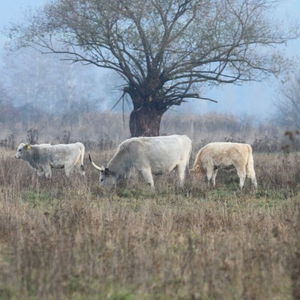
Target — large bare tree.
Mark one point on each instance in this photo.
(165, 50)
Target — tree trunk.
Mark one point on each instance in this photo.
(145, 121)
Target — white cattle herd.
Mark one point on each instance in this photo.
(147, 155)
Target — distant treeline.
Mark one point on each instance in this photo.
(104, 130)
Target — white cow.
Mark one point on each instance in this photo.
(214, 155)
(44, 157)
(150, 156)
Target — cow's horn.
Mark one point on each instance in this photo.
(94, 165)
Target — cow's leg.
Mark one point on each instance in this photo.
(209, 173)
(254, 182)
(181, 173)
(251, 171)
(215, 172)
(147, 174)
(68, 169)
(40, 172)
(47, 171)
(242, 175)
(82, 170)
(253, 179)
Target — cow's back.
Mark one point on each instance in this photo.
(160, 153)
(225, 153)
(59, 154)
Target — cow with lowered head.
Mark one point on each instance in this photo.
(148, 155)
(44, 157)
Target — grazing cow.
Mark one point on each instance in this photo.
(44, 157)
(148, 155)
(214, 155)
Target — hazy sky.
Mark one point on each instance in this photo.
(251, 98)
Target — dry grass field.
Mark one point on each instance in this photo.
(68, 239)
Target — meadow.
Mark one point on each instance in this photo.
(66, 238)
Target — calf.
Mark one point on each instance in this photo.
(214, 155)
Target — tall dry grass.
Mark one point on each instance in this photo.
(68, 239)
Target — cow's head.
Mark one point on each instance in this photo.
(197, 172)
(22, 150)
(106, 177)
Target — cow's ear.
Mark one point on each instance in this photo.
(106, 171)
(28, 147)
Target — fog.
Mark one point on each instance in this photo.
(56, 86)
(32, 79)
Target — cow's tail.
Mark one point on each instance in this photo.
(82, 157)
(189, 158)
(250, 167)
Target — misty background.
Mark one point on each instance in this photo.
(43, 88)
